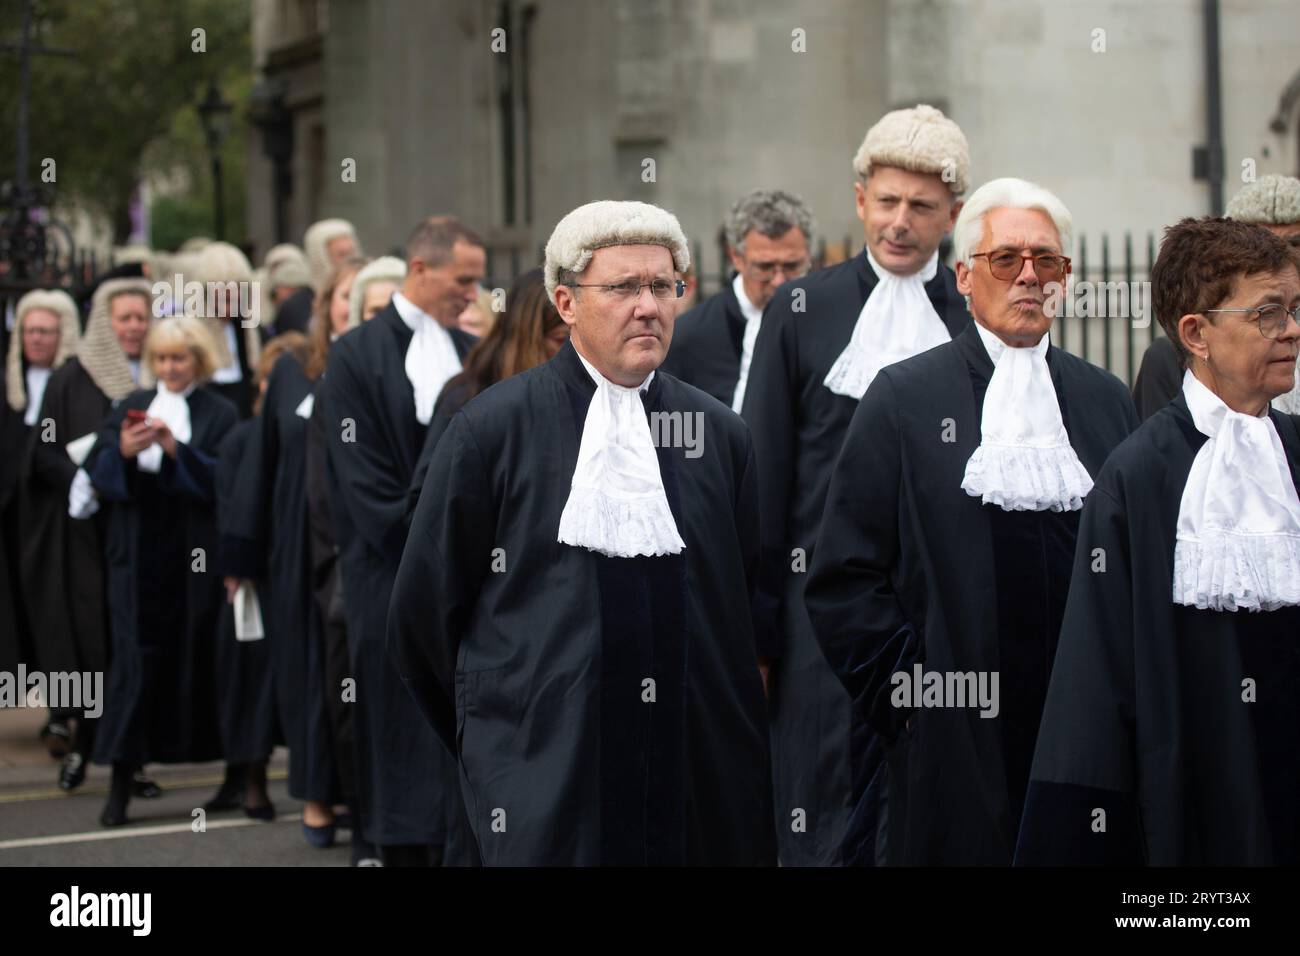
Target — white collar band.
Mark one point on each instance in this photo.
(1238, 541)
(897, 321)
(1024, 461)
(616, 503)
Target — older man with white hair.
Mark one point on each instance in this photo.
(572, 609)
(822, 340)
(940, 575)
(328, 244)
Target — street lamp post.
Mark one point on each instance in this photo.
(214, 114)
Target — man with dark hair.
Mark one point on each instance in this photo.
(1172, 722)
(768, 236)
(384, 378)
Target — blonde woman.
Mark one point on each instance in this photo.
(152, 468)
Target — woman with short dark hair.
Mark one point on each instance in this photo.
(1172, 722)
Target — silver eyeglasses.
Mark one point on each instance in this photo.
(1270, 316)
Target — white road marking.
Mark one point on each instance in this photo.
(129, 832)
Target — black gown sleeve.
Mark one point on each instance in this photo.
(446, 559)
(50, 464)
(771, 395)
(242, 502)
(1085, 760)
(110, 473)
(189, 474)
(855, 612)
(451, 401)
(371, 491)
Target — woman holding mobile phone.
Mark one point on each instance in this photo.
(153, 466)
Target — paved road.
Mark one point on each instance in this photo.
(40, 825)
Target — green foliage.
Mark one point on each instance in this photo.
(122, 107)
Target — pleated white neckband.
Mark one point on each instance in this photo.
(1025, 461)
(896, 322)
(616, 503)
(1238, 541)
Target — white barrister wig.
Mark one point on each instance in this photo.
(314, 242)
(1271, 200)
(286, 264)
(194, 244)
(48, 300)
(220, 263)
(920, 139)
(384, 269)
(611, 223)
(99, 352)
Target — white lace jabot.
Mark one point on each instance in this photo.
(1025, 461)
(617, 504)
(1238, 541)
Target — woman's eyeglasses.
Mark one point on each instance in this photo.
(1271, 317)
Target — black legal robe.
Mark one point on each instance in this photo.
(452, 399)
(798, 426)
(63, 567)
(242, 393)
(15, 644)
(327, 599)
(1159, 379)
(707, 344)
(300, 647)
(164, 590)
(911, 569)
(531, 658)
(294, 313)
(245, 689)
(1147, 717)
(374, 441)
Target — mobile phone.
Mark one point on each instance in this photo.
(135, 416)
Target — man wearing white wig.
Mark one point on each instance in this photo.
(948, 537)
(1172, 723)
(45, 335)
(328, 244)
(572, 610)
(63, 565)
(233, 317)
(822, 341)
(377, 396)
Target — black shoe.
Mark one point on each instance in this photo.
(142, 786)
(113, 815)
(265, 812)
(57, 738)
(73, 771)
(225, 799)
